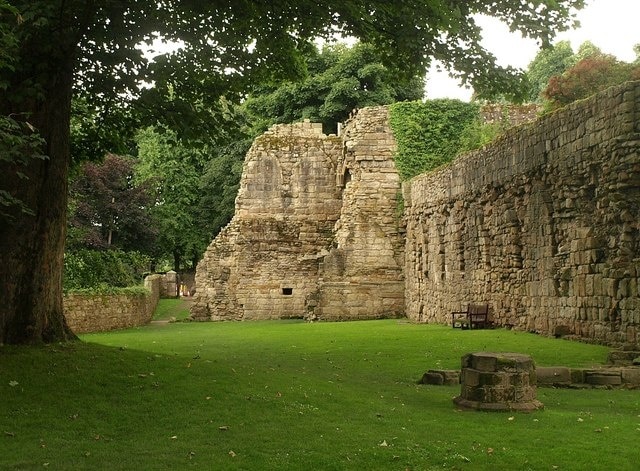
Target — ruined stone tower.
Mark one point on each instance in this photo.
(294, 248)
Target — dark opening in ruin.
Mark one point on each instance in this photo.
(287, 291)
(346, 178)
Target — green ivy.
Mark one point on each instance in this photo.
(428, 134)
(103, 269)
(478, 134)
(110, 290)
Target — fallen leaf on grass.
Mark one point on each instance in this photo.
(232, 454)
(490, 451)
(175, 437)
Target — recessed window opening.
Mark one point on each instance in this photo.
(346, 178)
(287, 291)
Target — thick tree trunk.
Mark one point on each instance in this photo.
(32, 246)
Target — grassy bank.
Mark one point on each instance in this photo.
(291, 395)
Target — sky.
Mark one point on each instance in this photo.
(612, 25)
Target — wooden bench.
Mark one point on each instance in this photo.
(475, 317)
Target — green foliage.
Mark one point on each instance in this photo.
(218, 187)
(173, 170)
(548, 62)
(590, 75)
(19, 144)
(103, 269)
(339, 80)
(428, 134)
(296, 396)
(110, 290)
(478, 134)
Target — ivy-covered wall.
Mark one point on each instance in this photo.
(428, 134)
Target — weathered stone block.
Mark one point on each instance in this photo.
(554, 376)
(603, 378)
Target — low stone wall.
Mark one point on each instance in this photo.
(543, 225)
(100, 313)
(624, 377)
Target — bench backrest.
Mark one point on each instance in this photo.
(482, 309)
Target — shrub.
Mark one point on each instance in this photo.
(428, 134)
(91, 269)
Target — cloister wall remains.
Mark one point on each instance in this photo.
(543, 225)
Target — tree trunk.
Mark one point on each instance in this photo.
(177, 260)
(32, 246)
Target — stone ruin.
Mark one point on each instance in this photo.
(316, 233)
(543, 225)
(498, 382)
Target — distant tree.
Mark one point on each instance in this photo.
(173, 170)
(219, 185)
(548, 63)
(108, 209)
(586, 50)
(339, 79)
(588, 76)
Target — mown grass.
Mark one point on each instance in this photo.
(295, 396)
(177, 308)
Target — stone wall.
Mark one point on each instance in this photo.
(362, 276)
(543, 225)
(265, 263)
(315, 234)
(100, 313)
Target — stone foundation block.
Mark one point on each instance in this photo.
(603, 378)
(551, 376)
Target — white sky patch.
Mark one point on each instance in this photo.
(612, 25)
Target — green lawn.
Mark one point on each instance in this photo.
(295, 396)
(177, 308)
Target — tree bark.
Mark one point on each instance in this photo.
(32, 246)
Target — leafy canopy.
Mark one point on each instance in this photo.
(591, 74)
(339, 79)
(108, 209)
(228, 45)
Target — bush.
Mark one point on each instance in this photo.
(428, 134)
(92, 269)
(477, 134)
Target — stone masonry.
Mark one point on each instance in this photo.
(315, 234)
(543, 225)
(103, 312)
(362, 276)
